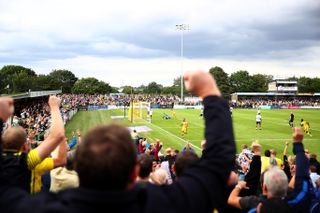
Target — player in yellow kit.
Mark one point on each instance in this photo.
(306, 127)
(174, 114)
(184, 127)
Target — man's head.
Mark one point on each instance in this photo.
(14, 138)
(183, 161)
(313, 156)
(106, 158)
(244, 146)
(275, 183)
(273, 152)
(145, 165)
(267, 153)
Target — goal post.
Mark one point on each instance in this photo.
(138, 111)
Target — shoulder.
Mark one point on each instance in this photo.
(249, 202)
(33, 159)
(46, 165)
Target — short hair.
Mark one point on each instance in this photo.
(276, 182)
(273, 151)
(105, 158)
(244, 146)
(183, 161)
(313, 168)
(145, 164)
(159, 177)
(14, 138)
(267, 153)
(314, 156)
(70, 160)
(292, 159)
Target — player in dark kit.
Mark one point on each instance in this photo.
(291, 119)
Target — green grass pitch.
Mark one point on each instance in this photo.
(275, 128)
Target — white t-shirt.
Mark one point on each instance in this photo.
(258, 118)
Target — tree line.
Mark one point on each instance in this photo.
(16, 79)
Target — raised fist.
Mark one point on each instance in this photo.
(6, 108)
(201, 83)
(297, 135)
(54, 102)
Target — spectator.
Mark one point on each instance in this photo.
(64, 177)
(159, 177)
(106, 165)
(184, 160)
(273, 154)
(313, 175)
(145, 167)
(252, 178)
(275, 187)
(188, 148)
(265, 160)
(23, 168)
(314, 162)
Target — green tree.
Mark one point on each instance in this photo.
(309, 85)
(222, 80)
(259, 83)
(176, 87)
(64, 79)
(91, 86)
(305, 84)
(128, 90)
(240, 81)
(316, 84)
(18, 78)
(43, 82)
(153, 88)
(168, 90)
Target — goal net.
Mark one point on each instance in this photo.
(138, 111)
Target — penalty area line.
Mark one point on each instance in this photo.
(175, 136)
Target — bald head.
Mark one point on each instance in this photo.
(14, 138)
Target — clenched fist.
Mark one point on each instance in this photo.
(54, 102)
(6, 108)
(201, 83)
(297, 135)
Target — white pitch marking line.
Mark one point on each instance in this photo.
(175, 136)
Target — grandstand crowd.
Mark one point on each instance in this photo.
(276, 102)
(112, 169)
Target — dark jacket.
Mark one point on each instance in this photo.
(199, 189)
(300, 199)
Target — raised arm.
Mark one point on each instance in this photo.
(302, 186)
(253, 176)
(61, 158)
(286, 166)
(56, 131)
(202, 186)
(285, 149)
(6, 110)
(302, 162)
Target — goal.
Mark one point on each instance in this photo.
(138, 111)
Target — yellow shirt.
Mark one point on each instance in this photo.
(45, 166)
(33, 159)
(265, 163)
(184, 125)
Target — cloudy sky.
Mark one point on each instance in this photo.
(136, 42)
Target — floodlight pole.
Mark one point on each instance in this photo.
(181, 27)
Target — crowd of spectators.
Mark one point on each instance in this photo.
(277, 102)
(113, 170)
